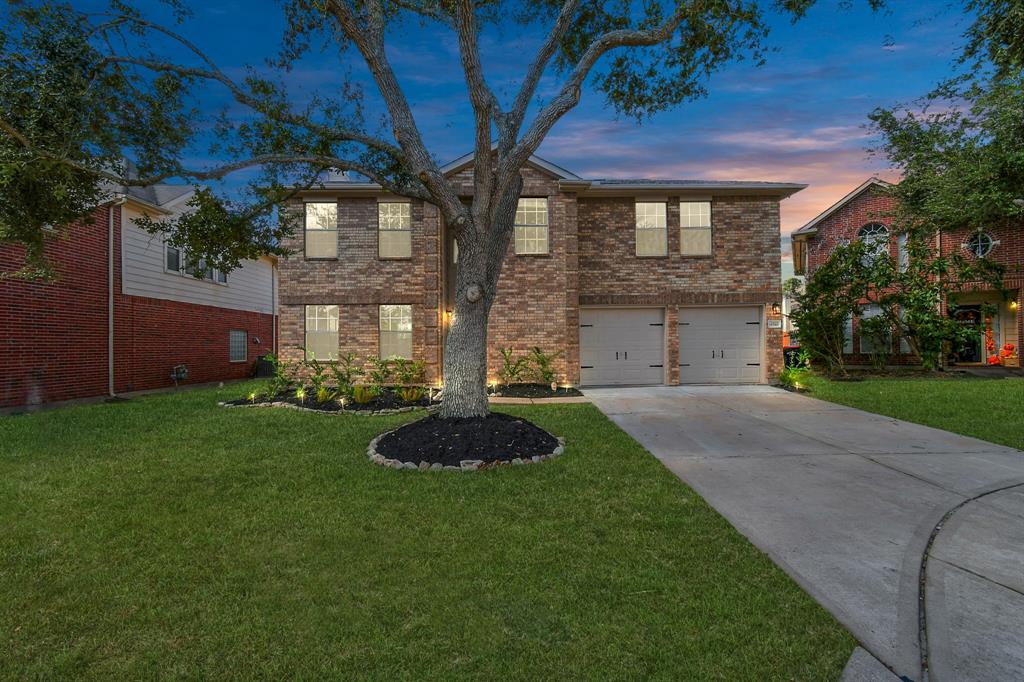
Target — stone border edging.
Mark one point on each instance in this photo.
(361, 413)
(464, 465)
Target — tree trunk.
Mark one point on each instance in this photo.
(483, 241)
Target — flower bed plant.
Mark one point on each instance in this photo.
(342, 385)
(530, 376)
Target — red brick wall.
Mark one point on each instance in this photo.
(54, 342)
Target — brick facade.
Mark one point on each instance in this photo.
(54, 341)
(591, 262)
(874, 205)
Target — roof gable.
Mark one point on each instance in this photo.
(554, 170)
(812, 226)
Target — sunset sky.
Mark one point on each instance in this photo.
(799, 118)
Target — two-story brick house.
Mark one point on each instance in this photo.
(866, 213)
(628, 281)
(124, 309)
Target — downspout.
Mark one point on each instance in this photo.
(110, 294)
(273, 306)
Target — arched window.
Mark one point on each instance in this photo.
(980, 244)
(876, 240)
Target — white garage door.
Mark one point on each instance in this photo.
(720, 345)
(622, 346)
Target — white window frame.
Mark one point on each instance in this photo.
(875, 237)
(404, 219)
(645, 216)
(306, 229)
(390, 316)
(532, 238)
(876, 311)
(212, 276)
(245, 345)
(698, 220)
(324, 315)
(992, 244)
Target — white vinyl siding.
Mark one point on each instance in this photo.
(238, 345)
(396, 331)
(321, 234)
(695, 228)
(531, 236)
(651, 229)
(394, 230)
(146, 273)
(321, 340)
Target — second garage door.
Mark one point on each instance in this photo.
(720, 345)
(622, 346)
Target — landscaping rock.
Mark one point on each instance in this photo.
(535, 459)
(517, 461)
(424, 466)
(436, 466)
(410, 465)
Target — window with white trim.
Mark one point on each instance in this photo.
(695, 228)
(651, 229)
(394, 230)
(176, 262)
(396, 331)
(238, 340)
(873, 343)
(321, 340)
(531, 235)
(848, 334)
(902, 254)
(875, 237)
(980, 244)
(321, 230)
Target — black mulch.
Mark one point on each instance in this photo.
(496, 437)
(535, 391)
(387, 400)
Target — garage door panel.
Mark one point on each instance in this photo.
(621, 346)
(720, 345)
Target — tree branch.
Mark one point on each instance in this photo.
(485, 104)
(569, 96)
(219, 172)
(536, 70)
(406, 131)
(214, 73)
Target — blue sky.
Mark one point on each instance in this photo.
(798, 118)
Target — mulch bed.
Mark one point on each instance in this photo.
(494, 438)
(387, 400)
(535, 391)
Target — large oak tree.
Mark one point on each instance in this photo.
(80, 92)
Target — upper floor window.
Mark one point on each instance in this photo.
(321, 222)
(396, 331)
(531, 236)
(321, 340)
(695, 228)
(394, 230)
(875, 237)
(980, 244)
(176, 261)
(651, 229)
(902, 253)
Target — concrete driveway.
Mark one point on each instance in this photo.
(847, 502)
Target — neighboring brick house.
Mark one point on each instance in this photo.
(865, 213)
(628, 281)
(135, 301)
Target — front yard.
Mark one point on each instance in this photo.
(166, 537)
(989, 409)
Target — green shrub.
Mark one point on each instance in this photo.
(380, 375)
(408, 372)
(363, 394)
(345, 370)
(411, 394)
(324, 394)
(543, 370)
(512, 370)
(284, 375)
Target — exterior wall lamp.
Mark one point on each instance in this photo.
(776, 309)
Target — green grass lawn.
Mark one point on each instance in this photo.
(167, 537)
(989, 409)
